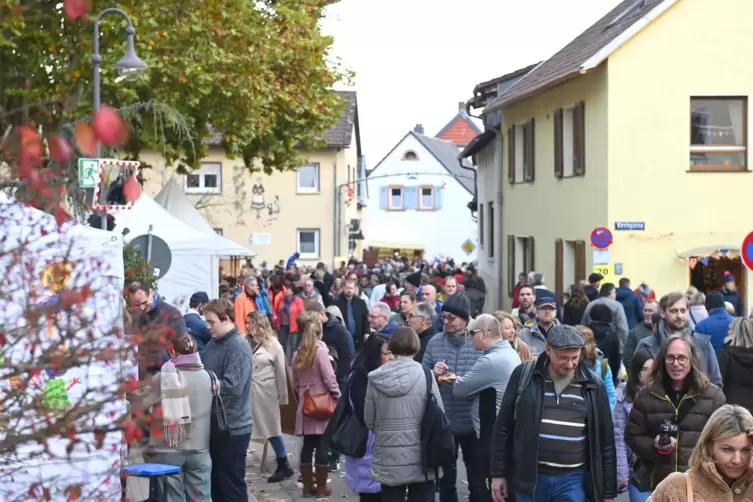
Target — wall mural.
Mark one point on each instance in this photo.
(259, 204)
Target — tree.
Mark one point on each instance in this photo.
(254, 72)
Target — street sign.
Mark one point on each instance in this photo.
(88, 173)
(746, 251)
(630, 225)
(601, 237)
(468, 247)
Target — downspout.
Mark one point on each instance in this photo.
(473, 205)
(500, 228)
(336, 210)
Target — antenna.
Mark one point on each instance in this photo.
(635, 6)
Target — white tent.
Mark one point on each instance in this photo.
(33, 244)
(195, 254)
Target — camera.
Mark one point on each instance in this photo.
(667, 430)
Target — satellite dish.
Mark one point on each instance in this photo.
(156, 251)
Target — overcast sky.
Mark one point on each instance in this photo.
(416, 59)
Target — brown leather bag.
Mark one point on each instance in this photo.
(320, 406)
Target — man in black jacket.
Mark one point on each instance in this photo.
(554, 432)
(355, 313)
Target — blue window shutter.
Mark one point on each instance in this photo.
(438, 197)
(410, 197)
(382, 197)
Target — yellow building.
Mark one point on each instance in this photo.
(639, 125)
(309, 210)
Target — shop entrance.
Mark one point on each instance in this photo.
(710, 276)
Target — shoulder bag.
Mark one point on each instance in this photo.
(347, 435)
(320, 406)
(219, 416)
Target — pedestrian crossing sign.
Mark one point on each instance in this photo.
(468, 246)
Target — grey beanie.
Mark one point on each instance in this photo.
(459, 305)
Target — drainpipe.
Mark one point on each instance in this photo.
(473, 205)
(336, 210)
(501, 242)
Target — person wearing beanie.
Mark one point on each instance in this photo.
(716, 325)
(731, 294)
(451, 355)
(413, 283)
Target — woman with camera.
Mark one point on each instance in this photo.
(669, 414)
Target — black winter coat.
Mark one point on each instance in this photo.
(736, 366)
(336, 335)
(608, 342)
(515, 441)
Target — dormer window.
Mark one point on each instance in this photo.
(410, 155)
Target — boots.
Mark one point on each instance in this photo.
(307, 477)
(322, 476)
(283, 471)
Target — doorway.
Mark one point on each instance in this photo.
(710, 276)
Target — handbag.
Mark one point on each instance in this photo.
(219, 416)
(320, 406)
(346, 434)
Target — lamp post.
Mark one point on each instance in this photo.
(130, 67)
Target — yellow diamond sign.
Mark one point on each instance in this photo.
(468, 246)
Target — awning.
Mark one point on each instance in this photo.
(394, 245)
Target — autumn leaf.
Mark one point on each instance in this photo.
(110, 127)
(75, 9)
(60, 149)
(131, 189)
(86, 140)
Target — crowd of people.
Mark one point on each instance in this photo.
(604, 391)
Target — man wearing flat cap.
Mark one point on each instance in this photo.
(553, 439)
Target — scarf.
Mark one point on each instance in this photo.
(176, 410)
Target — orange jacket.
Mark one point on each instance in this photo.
(295, 308)
(243, 306)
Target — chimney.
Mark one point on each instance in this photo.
(461, 106)
(419, 129)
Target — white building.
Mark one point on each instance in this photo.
(419, 200)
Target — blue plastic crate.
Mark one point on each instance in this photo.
(150, 470)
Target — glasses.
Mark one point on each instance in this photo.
(448, 318)
(681, 360)
(376, 316)
(474, 332)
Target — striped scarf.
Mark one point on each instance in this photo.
(176, 410)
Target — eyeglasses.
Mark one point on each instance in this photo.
(448, 318)
(474, 332)
(681, 360)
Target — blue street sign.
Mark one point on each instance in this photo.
(630, 225)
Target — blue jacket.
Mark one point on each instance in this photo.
(715, 326)
(597, 369)
(459, 355)
(734, 298)
(632, 305)
(389, 329)
(291, 260)
(198, 328)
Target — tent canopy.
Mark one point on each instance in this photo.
(174, 201)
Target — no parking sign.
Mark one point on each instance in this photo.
(601, 237)
(746, 251)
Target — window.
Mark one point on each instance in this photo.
(427, 198)
(206, 179)
(569, 141)
(569, 265)
(520, 259)
(410, 155)
(718, 134)
(490, 252)
(218, 230)
(521, 153)
(308, 178)
(396, 198)
(481, 228)
(308, 243)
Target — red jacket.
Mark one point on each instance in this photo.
(296, 307)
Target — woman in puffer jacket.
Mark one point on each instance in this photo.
(668, 414)
(373, 354)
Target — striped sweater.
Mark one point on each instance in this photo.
(563, 443)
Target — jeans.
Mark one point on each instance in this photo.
(564, 488)
(193, 484)
(282, 336)
(448, 491)
(313, 442)
(417, 492)
(229, 465)
(278, 445)
(636, 495)
(370, 497)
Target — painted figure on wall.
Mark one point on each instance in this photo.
(258, 202)
(273, 209)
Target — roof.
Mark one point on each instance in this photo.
(446, 153)
(479, 143)
(339, 135)
(508, 76)
(587, 50)
(471, 131)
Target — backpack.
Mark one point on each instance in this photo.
(437, 441)
(604, 368)
(525, 377)
(334, 357)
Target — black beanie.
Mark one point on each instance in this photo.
(414, 278)
(714, 300)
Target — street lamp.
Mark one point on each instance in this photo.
(130, 67)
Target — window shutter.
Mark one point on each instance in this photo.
(510, 265)
(511, 155)
(481, 225)
(530, 164)
(531, 254)
(438, 197)
(410, 197)
(579, 139)
(559, 280)
(580, 260)
(383, 198)
(559, 165)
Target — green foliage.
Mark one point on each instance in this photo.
(137, 269)
(256, 71)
